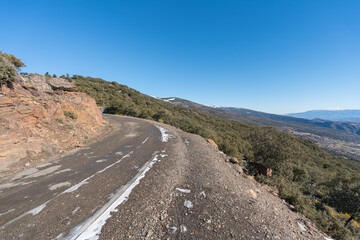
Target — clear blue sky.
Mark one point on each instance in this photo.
(274, 56)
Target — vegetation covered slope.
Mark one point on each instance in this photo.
(336, 130)
(305, 175)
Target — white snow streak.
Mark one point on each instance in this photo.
(7, 212)
(145, 140)
(183, 190)
(37, 209)
(93, 231)
(168, 100)
(164, 135)
(75, 210)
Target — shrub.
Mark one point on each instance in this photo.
(59, 119)
(7, 72)
(71, 114)
(14, 60)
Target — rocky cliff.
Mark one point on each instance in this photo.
(41, 116)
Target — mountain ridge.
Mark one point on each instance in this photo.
(338, 137)
(344, 115)
(353, 128)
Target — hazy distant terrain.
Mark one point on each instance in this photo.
(339, 137)
(334, 115)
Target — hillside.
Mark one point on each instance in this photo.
(40, 117)
(333, 115)
(318, 126)
(339, 137)
(306, 176)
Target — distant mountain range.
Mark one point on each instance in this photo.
(333, 129)
(333, 115)
(337, 136)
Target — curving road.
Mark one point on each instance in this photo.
(144, 181)
(52, 199)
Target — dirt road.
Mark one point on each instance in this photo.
(144, 181)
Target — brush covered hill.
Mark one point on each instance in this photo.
(305, 175)
(338, 137)
(337, 130)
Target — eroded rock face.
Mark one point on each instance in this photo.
(32, 120)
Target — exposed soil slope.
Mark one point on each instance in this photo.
(33, 122)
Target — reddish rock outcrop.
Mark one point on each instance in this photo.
(212, 143)
(32, 120)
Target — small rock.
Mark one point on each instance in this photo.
(238, 169)
(253, 193)
(234, 160)
(149, 233)
(212, 143)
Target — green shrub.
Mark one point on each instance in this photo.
(59, 119)
(7, 72)
(71, 114)
(14, 60)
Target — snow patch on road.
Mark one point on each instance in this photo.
(203, 194)
(188, 204)
(62, 171)
(60, 236)
(37, 209)
(75, 210)
(164, 135)
(101, 160)
(75, 187)
(94, 229)
(183, 229)
(44, 172)
(173, 229)
(183, 190)
(4, 213)
(145, 140)
(59, 185)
